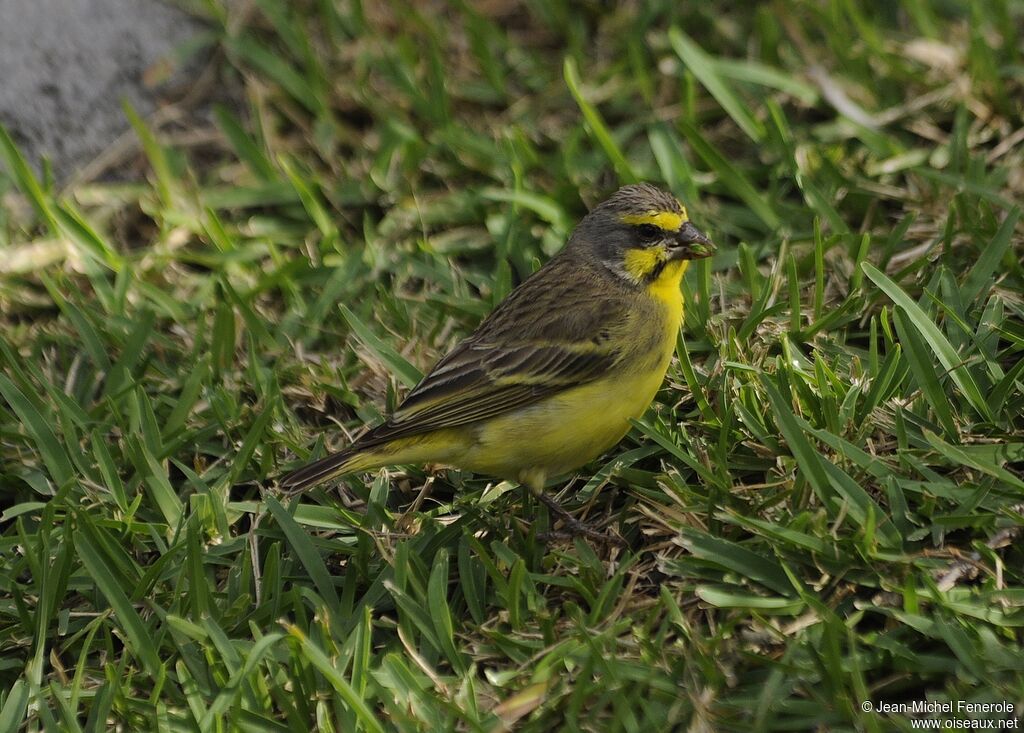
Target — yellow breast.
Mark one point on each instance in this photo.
(666, 291)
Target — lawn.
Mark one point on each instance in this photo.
(821, 511)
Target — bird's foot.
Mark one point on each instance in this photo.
(574, 527)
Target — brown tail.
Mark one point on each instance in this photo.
(317, 472)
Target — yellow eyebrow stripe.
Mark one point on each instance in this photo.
(670, 221)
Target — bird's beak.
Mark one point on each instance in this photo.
(691, 244)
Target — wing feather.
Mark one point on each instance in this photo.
(531, 347)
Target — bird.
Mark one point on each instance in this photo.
(552, 377)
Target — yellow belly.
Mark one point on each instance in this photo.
(546, 439)
(563, 432)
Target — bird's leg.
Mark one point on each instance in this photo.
(534, 481)
(574, 525)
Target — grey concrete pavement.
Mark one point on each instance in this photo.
(65, 66)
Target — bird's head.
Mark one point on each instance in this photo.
(639, 232)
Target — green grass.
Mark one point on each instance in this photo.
(821, 508)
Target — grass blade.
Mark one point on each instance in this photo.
(53, 454)
(395, 362)
(705, 68)
(936, 339)
(307, 553)
(731, 176)
(920, 361)
(597, 126)
(98, 565)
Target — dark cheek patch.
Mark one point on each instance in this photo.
(657, 270)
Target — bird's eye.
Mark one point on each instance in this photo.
(649, 232)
